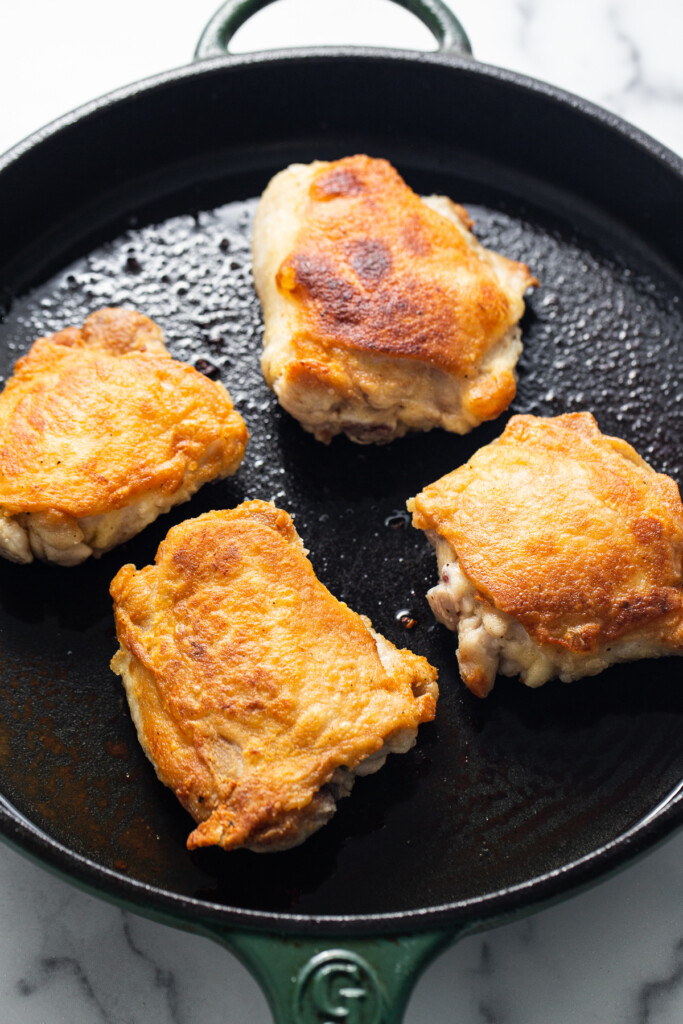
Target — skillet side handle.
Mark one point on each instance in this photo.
(435, 14)
(314, 980)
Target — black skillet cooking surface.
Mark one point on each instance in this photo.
(497, 792)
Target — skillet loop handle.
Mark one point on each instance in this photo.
(435, 14)
(343, 981)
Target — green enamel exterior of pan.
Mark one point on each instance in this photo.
(439, 19)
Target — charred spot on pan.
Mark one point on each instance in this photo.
(207, 368)
(133, 265)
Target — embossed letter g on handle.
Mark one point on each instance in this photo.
(338, 987)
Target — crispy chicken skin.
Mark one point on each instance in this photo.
(383, 313)
(560, 553)
(100, 432)
(256, 694)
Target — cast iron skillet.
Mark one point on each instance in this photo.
(145, 198)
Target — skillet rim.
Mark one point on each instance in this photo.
(660, 822)
(560, 883)
(207, 66)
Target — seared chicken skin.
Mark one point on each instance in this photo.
(100, 432)
(559, 552)
(258, 696)
(383, 313)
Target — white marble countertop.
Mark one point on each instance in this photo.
(613, 955)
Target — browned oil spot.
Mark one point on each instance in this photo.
(53, 744)
(55, 795)
(117, 749)
(139, 844)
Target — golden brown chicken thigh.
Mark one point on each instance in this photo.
(257, 695)
(100, 432)
(383, 313)
(559, 552)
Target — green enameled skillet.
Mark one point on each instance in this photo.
(145, 199)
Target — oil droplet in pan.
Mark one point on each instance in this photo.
(406, 618)
(397, 519)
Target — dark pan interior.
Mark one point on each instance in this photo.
(496, 792)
